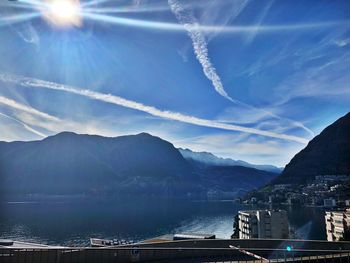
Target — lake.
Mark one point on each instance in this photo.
(65, 222)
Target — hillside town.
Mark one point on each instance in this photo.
(331, 191)
(328, 192)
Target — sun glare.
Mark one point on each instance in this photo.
(64, 13)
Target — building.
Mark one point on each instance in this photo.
(331, 178)
(263, 224)
(338, 225)
(329, 202)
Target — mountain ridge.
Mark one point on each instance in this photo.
(326, 154)
(141, 164)
(207, 158)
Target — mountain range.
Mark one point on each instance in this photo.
(209, 159)
(142, 164)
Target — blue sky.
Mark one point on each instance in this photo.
(246, 79)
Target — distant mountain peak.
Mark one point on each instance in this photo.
(208, 158)
(145, 134)
(64, 134)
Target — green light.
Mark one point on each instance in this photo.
(289, 248)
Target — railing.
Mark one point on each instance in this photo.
(169, 254)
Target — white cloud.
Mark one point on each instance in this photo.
(30, 117)
(27, 33)
(16, 105)
(90, 127)
(342, 42)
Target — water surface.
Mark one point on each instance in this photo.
(73, 222)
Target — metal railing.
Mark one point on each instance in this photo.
(168, 254)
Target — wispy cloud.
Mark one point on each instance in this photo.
(85, 127)
(30, 82)
(30, 117)
(251, 149)
(218, 13)
(27, 33)
(26, 126)
(263, 116)
(327, 79)
(342, 42)
(13, 19)
(16, 105)
(251, 35)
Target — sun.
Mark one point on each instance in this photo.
(64, 10)
(64, 13)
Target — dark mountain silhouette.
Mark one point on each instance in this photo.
(326, 154)
(71, 163)
(68, 163)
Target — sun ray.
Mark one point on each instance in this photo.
(94, 3)
(167, 26)
(14, 19)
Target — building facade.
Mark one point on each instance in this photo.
(329, 202)
(338, 225)
(263, 224)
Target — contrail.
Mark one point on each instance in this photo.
(273, 115)
(171, 27)
(26, 126)
(112, 99)
(200, 46)
(22, 107)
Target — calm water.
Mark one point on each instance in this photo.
(74, 222)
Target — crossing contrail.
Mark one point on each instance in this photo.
(26, 126)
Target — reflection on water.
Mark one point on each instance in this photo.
(74, 222)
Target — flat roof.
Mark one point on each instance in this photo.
(20, 244)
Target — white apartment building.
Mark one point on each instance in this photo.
(263, 224)
(338, 225)
(329, 202)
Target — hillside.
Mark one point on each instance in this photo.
(326, 154)
(242, 178)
